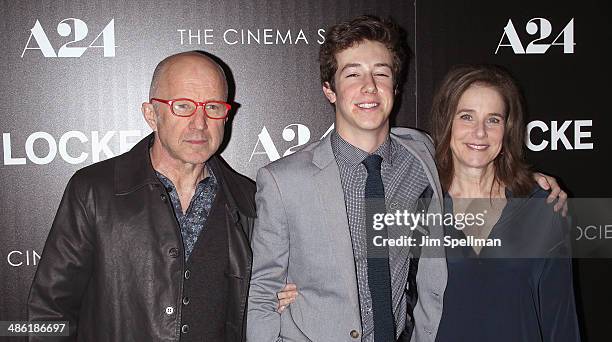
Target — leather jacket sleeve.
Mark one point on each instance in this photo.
(65, 266)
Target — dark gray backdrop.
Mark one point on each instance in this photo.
(59, 114)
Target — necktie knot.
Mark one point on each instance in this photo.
(372, 163)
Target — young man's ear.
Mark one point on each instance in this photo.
(329, 93)
(148, 112)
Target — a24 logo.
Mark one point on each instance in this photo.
(534, 26)
(76, 28)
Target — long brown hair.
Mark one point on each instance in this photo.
(510, 166)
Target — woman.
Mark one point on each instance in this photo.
(521, 290)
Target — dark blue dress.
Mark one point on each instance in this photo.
(521, 291)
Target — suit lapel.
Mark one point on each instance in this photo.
(420, 151)
(331, 199)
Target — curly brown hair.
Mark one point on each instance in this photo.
(349, 33)
(511, 168)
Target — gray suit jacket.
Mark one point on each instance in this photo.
(301, 235)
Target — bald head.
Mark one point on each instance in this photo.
(180, 63)
(185, 140)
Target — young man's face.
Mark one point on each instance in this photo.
(364, 90)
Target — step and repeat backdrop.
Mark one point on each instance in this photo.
(74, 75)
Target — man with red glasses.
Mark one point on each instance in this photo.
(153, 245)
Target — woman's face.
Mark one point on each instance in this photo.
(478, 128)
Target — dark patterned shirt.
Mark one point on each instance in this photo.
(404, 181)
(193, 221)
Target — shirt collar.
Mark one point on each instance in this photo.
(209, 179)
(350, 155)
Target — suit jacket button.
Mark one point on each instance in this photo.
(173, 252)
(169, 310)
(354, 334)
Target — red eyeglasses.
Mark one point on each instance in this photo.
(186, 107)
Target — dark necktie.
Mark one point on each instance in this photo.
(379, 277)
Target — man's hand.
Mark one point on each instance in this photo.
(550, 183)
(286, 296)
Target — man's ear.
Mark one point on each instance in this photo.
(329, 93)
(148, 112)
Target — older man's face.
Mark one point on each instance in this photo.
(194, 139)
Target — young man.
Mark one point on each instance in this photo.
(312, 228)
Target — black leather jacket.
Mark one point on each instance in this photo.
(112, 265)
